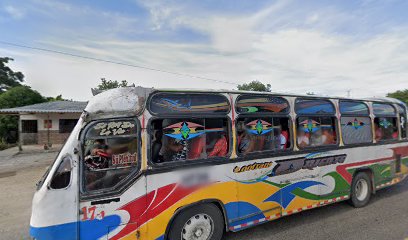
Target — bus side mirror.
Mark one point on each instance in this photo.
(62, 177)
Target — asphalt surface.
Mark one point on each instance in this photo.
(386, 217)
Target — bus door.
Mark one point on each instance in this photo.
(113, 193)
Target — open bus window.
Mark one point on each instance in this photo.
(62, 176)
(189, 139)
(316, 131)
(385, 128)
(110, 154)
(262, 134)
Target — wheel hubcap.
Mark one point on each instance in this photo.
(198, 227)
(361, 190)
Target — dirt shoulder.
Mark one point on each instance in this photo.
(18, 175)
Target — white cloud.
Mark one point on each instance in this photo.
(15, 13)
(241, 48)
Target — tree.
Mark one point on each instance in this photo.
(20, 96)
(401, 95)
(16, 97)
(255, 86)
(57, 98)
(8, 78)
(110, 84)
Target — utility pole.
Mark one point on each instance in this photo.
(349, 93)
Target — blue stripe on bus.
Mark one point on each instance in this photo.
(67, 231)
(91, 229)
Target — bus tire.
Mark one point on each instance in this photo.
(360, 190)
(201, 222)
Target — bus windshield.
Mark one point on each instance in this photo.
(110, 154)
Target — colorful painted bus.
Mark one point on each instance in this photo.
(186, 164)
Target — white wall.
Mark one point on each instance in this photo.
(55, 117)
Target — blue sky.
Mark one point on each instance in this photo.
(327, 47)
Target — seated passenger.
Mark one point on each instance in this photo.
(245, 145)
(328, 137)
(157, 146)
(220, 148)
(175, 150)
(98, 156)
(395, 135)
(302, 138)
(284, 137)
(196, 146)
(378, 133)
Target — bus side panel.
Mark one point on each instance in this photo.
(177, 189)
(100, 219)
(252, 192)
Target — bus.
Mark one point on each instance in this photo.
(158, 164)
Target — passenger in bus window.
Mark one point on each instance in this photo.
(303, 138)
(284, 137)
(98, 156)
(328, 136)
(196, 147)
(157, 146)
(395, 135)
(284, 141)
(245, 145)
(378, 132)
(175, 150)
(220, 148)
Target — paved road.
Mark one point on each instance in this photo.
(385, 218)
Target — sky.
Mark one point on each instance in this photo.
(325, 47)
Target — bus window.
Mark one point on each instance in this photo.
(110, 154)
(355, 122)
(383, 109)
(403, 121)
(354, 108)
(189, 139)
(385, 122)
(261, 104)
(314, 106)
(257, 134)
(385, 128)
(176, 103)
(316, 131)
(356, 130)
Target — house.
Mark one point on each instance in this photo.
(46, 123)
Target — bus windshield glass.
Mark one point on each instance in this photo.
(110, 154)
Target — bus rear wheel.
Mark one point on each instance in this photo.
(201, 222)
(360, 190)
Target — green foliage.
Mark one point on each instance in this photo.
(255, 86)
(401, 95)
(57, 98)
(20, 96)
(8, 78)
(16, 97)
(110, 84)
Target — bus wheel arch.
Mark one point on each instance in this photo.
(361, 188)
(214, 202)
(370, 173)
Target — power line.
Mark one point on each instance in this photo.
(114, 62)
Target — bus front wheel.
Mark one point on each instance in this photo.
(201, 222)
(360, 190)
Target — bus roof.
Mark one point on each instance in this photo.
(373, 99)
(120, 102)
